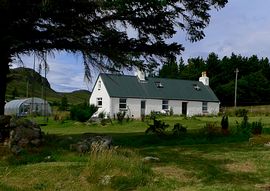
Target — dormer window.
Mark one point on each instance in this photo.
(159, 85)
(196, 87)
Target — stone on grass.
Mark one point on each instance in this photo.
(150, 159)
(93, 144)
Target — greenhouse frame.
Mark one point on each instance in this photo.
(24, 107)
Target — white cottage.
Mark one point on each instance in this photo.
(138, 95)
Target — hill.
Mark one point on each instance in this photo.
(25, 82)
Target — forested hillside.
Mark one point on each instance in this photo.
(253, 87)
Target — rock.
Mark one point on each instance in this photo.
(36, 142)
(25, 134)
(105, 180)
(267, 144)
(23, 142)
(15, 149)
(93, 143)
(150, 158)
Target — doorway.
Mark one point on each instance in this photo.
(184, 108)
(142, 108)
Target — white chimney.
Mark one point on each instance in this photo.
(140, 74)
(204, 79)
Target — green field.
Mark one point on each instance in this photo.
(189, 162)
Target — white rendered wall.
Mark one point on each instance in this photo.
(134, 107)
(194, 108)
(101, 92)
(213, 108)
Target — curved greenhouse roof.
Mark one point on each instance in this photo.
(23, 107)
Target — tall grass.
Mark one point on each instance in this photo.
(118, 170)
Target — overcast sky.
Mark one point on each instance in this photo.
(242, 27)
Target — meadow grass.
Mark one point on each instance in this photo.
(188, 162)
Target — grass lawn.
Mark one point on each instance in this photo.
(189, 162)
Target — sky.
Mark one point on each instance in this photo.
(242, 27)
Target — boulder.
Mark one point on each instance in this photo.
(93, 144)
(25, 134)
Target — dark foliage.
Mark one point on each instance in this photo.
(179, 129)
(256, 128)
(241, 112)
(211, 130)
(121, 116)
(63, 104)
(98, 30)
(82, 112)
(225, 122)
(253, 77)
(158, 127)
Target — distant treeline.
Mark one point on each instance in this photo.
(253, 77)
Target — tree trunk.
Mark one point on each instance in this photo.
(4, 69)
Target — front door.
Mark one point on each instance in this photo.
(142, 108)
(184, 108)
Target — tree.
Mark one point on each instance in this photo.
(63, 104)
(169, 70)
(98, 29)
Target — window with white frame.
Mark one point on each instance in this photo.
(99, 101)
(204, 107)
(165, 104)
(122, 104)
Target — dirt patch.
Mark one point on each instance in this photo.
(241, 167)
(174, 173)
(263, 187)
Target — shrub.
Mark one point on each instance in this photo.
(82, 112)
(171, 111)
(153, 114)
(244, 128)
(179, 129)
(61, 116)
(101, 115)
(211, 130)
(121, 116)
(241, 112)
(256, 128)
(225, 122)
(158, 127)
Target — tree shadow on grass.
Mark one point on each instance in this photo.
(209, 164)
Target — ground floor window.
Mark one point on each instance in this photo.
(99, 101)
(165, 104)
(204, 107)
(122, 104)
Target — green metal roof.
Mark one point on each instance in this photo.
(172, 89)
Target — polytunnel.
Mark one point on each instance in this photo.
(24, 107)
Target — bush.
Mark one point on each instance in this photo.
(211, 130)
(61, 116)
(121, 116)
(179, 129)
(225, 122)
(256, 128)
(82, 112)
(244, 128)
(241, 112)
(158, 127)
